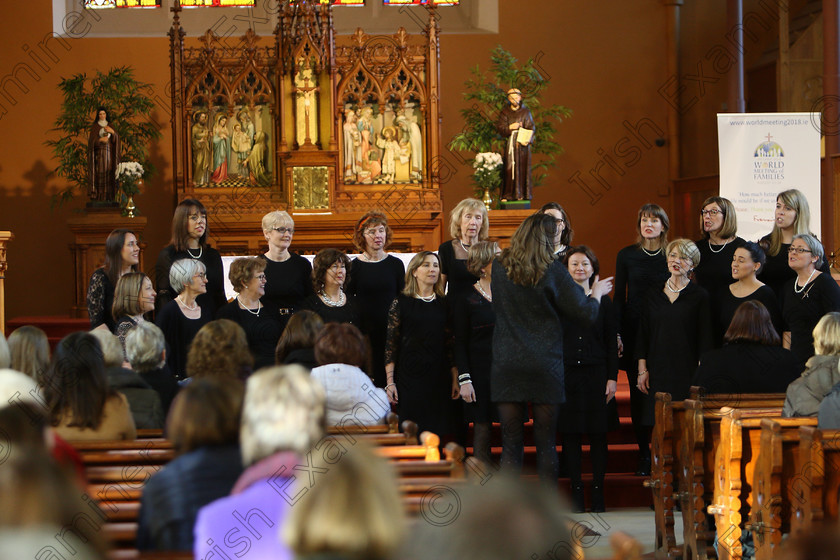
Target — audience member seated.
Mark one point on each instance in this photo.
(342, 352)
(133, 298)
(220, 349)
(204, 430)
(42, 511)
(143, 400)
(146, 351)
(354, 511)
(5, 355)
(805, 394)
(81, 405)
(297, 343)
(502, 518)
(282, 418)
(751, 360)
(30, 351)
(828, 416)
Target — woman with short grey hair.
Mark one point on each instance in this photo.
(181, 318)
(146, 350)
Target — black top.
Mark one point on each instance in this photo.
(179, 331)
(803, 311)
(474, 319)
(593, 344)
(302, 356)
(727, 304)
(528, 338)
(746, 367)
(162, 381)
(287, 283)
(635, 272)
(215, 296)
(375, 285)
(419, 345)
(715, 269)
(262, 330)
(672, 337)
(776, 272)
(100, 300)
(347, 313)
(457, 276)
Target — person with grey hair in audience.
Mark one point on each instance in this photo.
(283, 417)
(144, 401)
(146, 350)
(181, 318)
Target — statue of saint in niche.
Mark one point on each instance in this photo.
(200, 149)
(517, 125)
(103, 157)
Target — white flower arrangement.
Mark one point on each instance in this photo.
(487, 161)
(129, 170)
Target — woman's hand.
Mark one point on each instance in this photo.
(601, 287)
(391, 391)
(643, 382)
(611, 387)
(467, 392)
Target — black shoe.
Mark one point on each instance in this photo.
(598, 498)
(643, 468)
(578, 503)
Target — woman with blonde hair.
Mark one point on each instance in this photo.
(288, 276)
(420, 380)
(133, 298)
(532, 291)
(805, 394)
(29, 350)
(468, 224)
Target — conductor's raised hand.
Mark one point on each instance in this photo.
(601, 287)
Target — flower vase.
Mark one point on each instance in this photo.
(487, 200)
(129, 207)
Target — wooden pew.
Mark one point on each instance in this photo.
(390, 426)
(817, 485)
(779, 462)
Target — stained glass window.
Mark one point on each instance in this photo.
(421, 2)
(217, 3)
(101, 4)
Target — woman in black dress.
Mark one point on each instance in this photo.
(807, 297)
(329, 275)
(421, 378)
(532, 291)
(375, 280)
(792, 217)
(260, 323)
(719, 225)
(746, 263)
(676, 329)
(122, 255)
(181, 318)
(590, 357)
(637, 268)
(564, 228)
(288, 275)
(474, 320)
(467, 224)
(189, 241)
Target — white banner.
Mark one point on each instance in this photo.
(763, 154)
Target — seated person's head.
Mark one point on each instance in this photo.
(341, 343)
(5, 355)
(301, 332)
(23, 418)
(111, 348)
(284, 410)
(827, 335)
(30, 351)
(752, 323)
(220, 349)
(206, 413)
(145, 347)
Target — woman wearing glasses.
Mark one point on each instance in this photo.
(260, 323)
(807, 297)
(181, 318)
(189, 241)
(287, 275)
(719, 226)
(329, 276)
(564, 228)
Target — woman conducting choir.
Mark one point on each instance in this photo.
(329, 275)
(261, 324)
(637, 268)
(467, 224)
(181, 318)
(719, 225)
(122, 255)
(474, 320)
(189, 241)
(807, 297)
(531, 292)
(375, 280)
(288, 275)
(590, 356)
(564, 228)
(134, 297)
(420, 377)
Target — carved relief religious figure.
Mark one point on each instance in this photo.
(306, 111)
(221, 148)
(352, 146)
(241, 146)
(200, 149)
(103, 157)
(390, 153)
(410, 131)
(367, 136)
(517, 125)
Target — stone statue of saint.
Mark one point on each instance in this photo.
(352, 146)
(200, 149)
(103, 158)
(517, 125)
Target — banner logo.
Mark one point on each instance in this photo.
(769, 163)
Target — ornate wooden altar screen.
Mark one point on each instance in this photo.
(324, 127)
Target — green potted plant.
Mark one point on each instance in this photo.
(129, 104)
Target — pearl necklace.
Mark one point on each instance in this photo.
(725, 243)
(326, 299)
(182, 302)
(367, 258)
(427, 299)
(796, 283)
(200, 251)
(466, 248)
(482, 292)
(668, 285)
(248, 309)
(653, 254)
